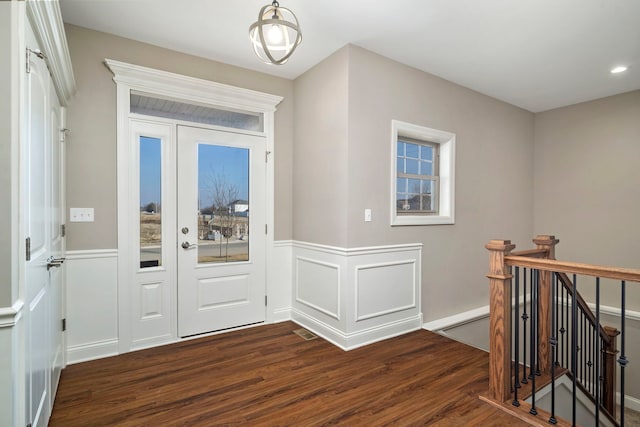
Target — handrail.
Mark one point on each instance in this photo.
(627, 274)
(544, 342)
(533, 253)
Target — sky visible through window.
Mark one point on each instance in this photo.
(230, 163)
(213, 160)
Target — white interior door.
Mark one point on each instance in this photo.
(37, 218)
(221, 230)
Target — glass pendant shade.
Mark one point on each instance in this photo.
(275, 35)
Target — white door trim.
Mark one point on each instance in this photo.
(130, 77)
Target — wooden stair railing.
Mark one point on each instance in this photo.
(542, 260)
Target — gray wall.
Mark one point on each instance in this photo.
(91, 146)
(587, 186)
(9, 130)
(320, 164)
(494, 169)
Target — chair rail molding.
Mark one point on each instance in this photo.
(9, 316)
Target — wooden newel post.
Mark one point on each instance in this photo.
(609, 374)
(544, 304)
(499, 320)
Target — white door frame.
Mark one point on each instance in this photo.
(130, 77)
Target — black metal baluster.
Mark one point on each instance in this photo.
(532, 344)
(554, 346)
(516, 378)
(622, 360)
(537, 307)
(566, 337)
(563, 330)
(525, 316)
(555, 275)
(574, 316)
(598, 349)
(583, 336)
(590, 362)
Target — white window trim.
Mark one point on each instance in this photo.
(447, 142)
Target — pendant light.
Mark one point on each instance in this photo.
(275, 35)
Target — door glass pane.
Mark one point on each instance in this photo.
(150, 202)
(223, 204)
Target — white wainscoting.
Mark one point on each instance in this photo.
(12, 363)
(91, 299)
(279, 281)
(92, 304)
(353, 297)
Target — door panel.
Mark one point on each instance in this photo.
(221, 217)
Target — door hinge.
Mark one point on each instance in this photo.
(28, 248)
(265, 229)
(29, 425)
(266, 156)
(37, 53)
(63, 230)
(64, 325)
(265, 300)
(63, 134)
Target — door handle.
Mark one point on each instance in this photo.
(54, 262)
(187, 245)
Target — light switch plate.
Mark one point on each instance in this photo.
(81, 214)
(367, 215)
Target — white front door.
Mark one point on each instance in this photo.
(221, 230)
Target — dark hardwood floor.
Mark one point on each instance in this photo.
(269, 376)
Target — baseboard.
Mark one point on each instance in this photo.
(350, 341)
(92, 351)
(630, 402)
(459, 319)
(615, 311)
(281, 314)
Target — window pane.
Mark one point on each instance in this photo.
(412, 166)
(400, 149)
(427, 203)
(400, 165)
(223, 211)
(426, 153)
(426, 187)
(401, 185)
(414, 186)
(412, 150)
(150, 202)
(426, 168)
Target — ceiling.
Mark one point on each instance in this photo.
(536, 54)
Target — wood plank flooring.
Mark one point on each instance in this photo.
(269, 376)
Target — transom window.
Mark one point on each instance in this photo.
(422, 182)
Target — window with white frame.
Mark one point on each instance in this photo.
(422, 182)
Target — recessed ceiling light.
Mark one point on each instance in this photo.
(619, 69)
